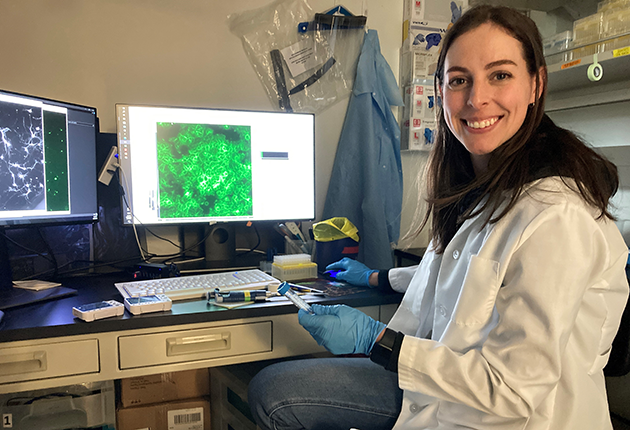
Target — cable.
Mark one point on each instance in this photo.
(50, 252)
(133, 216)
(178, 254)
(257, 244)
(143, 251)
(50, 258)
(247, 251)
(92, 265)
(163, 238)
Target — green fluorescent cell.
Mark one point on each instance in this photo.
(204, 170)
(56, 162)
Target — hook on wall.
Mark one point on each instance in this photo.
(595, 71)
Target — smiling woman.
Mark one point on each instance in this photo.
(508, 321)
(493, 135)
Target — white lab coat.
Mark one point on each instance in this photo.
(511, 326)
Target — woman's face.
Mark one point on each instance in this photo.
(486, 90)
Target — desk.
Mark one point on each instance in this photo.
(43, 346)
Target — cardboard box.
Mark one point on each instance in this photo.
(416, 66)
(426, 37)
(417, 134)
(164, 387)
(192, 414)
(420, 101)
(88, 405)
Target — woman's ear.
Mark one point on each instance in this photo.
(542, 79)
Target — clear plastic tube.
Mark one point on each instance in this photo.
(286, 291)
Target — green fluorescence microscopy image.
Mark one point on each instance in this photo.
(204, 170)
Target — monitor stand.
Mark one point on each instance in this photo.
(220, 246)
(11, 297)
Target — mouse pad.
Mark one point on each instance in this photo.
(332, 288)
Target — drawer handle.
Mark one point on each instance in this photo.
(197, 344)
(23, 363)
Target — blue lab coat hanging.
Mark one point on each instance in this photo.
(366, 182)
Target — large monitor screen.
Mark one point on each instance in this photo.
(47, 161)
(184, 165)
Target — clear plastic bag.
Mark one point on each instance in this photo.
(300, 71)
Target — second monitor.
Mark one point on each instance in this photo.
(191, 165)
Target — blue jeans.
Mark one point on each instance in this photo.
(325, 393)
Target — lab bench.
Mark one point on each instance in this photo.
(44, 346)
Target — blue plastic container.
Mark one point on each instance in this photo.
(335, 250)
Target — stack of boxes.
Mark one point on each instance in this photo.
(174, 400)
(605, 30)
(424, 24)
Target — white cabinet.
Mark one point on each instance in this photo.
(48, 360)
(179, 346)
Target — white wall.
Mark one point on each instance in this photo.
(171, 52)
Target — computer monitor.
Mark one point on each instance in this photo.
(199, 165)
(47, 168)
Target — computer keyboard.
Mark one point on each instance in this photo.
(195, 287)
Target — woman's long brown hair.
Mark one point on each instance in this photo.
(538, 149)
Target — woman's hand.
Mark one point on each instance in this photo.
(352, 271)
(341, 329)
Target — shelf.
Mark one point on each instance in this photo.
(569, 86)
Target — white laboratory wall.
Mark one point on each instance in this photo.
(161, 52)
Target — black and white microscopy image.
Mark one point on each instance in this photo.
(21, 157)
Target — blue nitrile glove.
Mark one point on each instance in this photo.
(341, 329)
(351, 271)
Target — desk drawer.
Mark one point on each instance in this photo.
(48, 361)
(191, 345)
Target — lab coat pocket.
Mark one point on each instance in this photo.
(479, 292)
(600, 362)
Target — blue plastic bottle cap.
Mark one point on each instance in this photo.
(283, 288)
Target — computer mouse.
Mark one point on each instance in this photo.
(330, 275)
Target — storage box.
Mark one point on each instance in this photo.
(420, 101)
(416, 66)
(616, 21)
(605, 6)
(335, 250)
(89, 405)
(416, 11)
(556, 47)
(293, 267)
(417, 134)
(557, 42)
(164, 387)
(617, 43)
(425, 38)
(191, 414)
(588, 29)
